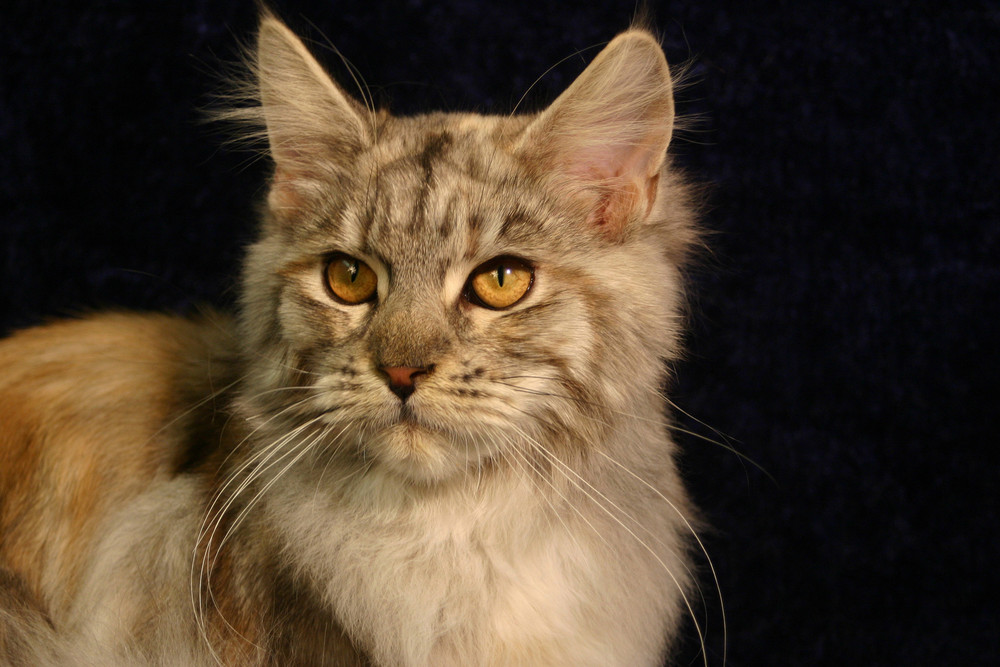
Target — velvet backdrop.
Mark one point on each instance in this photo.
(843, 330)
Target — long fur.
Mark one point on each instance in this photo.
(253, 490)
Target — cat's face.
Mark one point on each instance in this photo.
(450, 295)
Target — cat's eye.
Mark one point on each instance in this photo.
(500, 282)
(350, 280)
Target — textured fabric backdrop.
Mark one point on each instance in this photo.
(843, 329)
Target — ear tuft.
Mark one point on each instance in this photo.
(605, 138)
(312, 125)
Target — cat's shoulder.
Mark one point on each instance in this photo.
(93, 413)
(111, 351)
(63, 382)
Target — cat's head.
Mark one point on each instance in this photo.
(454, 291)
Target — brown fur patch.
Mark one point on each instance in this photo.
(74, 446)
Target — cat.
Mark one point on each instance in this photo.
(433, 433)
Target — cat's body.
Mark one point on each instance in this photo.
(434, 434)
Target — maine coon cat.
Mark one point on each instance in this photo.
(433, 434)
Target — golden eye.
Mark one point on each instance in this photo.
(500, 282)
(350, 280)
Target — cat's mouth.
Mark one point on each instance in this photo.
(416, 417)
(407, 415)
(416, 442)
(415, 450)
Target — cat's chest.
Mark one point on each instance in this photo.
(441, 581)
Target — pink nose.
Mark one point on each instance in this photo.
(402, 378)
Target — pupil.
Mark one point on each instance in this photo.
(352, 270)
(501, 274)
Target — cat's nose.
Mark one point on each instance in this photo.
(402, 379)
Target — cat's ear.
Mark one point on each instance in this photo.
(605, 138)
(312, 124)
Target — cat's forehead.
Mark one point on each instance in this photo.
(400, 136)
(435, 148)
(446, 187)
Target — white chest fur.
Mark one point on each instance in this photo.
(503, 575)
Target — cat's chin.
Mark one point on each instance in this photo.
(418, 453)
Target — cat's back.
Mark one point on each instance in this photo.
(92, 412)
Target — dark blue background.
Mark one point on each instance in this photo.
(844, 326)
